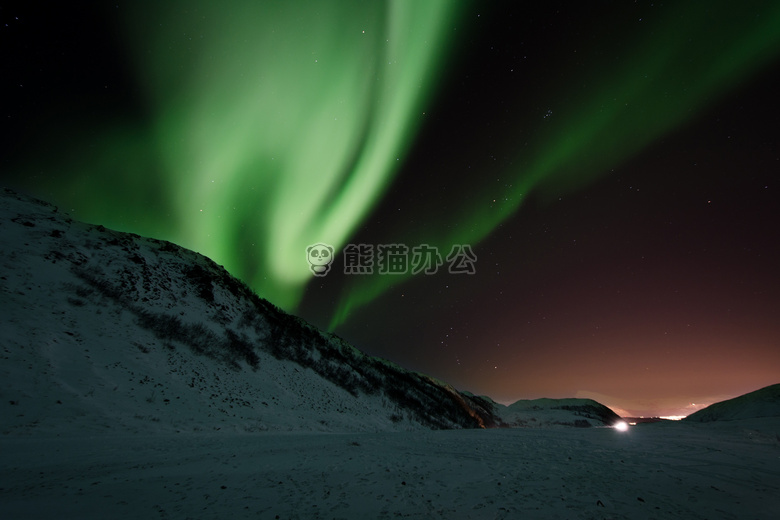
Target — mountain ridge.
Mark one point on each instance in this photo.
(107, 330)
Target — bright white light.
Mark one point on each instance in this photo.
(621, 426)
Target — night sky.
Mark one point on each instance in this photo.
(612, 166)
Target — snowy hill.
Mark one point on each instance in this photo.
(533, 413)
(104, 330)
(551, 412)
(761, 403)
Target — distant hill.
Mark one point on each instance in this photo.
(552, 412)
(761, 403)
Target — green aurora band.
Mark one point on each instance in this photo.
(294, 120)
(274, 126)
(270, 126)
(677, 68)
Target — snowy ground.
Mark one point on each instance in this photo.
(728, 470)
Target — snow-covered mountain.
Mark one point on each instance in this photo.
(102, 330)
(551, 412)
(761, 403)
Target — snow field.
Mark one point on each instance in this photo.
(652, 471)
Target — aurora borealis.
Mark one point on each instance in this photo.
(612, 167)
(235, 95)
(677, 68)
